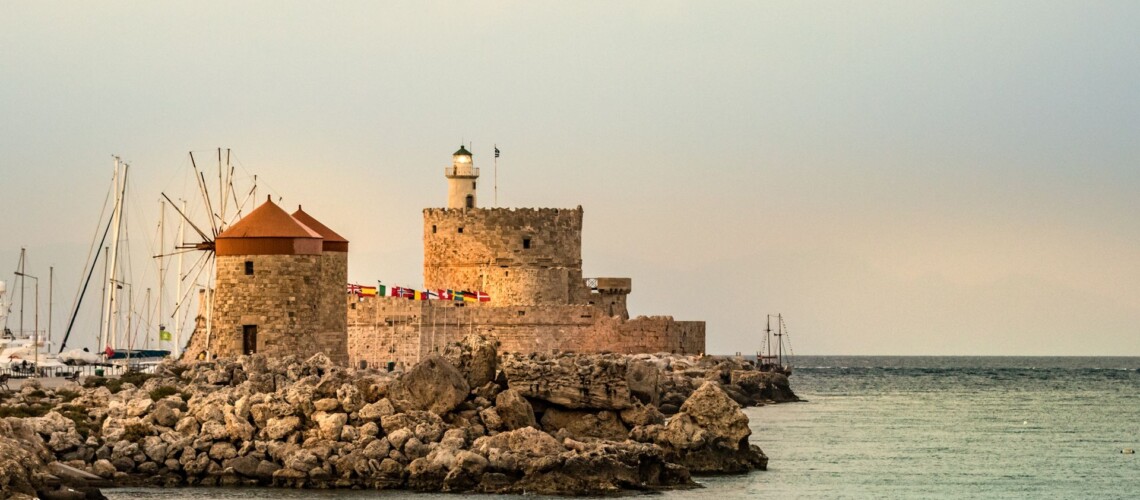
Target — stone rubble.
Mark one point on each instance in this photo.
(554, 424)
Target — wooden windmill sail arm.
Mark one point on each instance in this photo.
(187, 219)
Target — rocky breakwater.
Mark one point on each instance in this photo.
(29, 448)
(677, 377)
(464, 421)
(613, 398)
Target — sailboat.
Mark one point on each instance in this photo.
(22, 352)
(114, 283)
(776, 360)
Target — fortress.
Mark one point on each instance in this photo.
(281, 279)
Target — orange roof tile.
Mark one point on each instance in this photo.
(315, 225)
(269, 221)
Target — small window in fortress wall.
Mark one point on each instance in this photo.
(460, 230)
(433, 229)
(526, 242)
(522, 313)
(249, 268)
(472, 185)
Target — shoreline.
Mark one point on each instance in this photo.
(467, 421)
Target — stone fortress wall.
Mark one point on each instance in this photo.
(391, 329)
(530, 262)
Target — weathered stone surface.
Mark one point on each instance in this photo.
(709, 434)
(526, 442)
(330, 424)
(278, 428)
(639, 414)
(572, 380)
(374, 411)
(513, 410)
(604, 424)
(433, 385)
(717, 414)
(476, 357)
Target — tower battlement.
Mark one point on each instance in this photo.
(518, 255)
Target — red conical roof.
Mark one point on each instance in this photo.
(268, 230)
(333, 241)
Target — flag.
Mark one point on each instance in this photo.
(496, 151)
(445, 295)
(469, 297)
(109, 352)
(368, 291)
(383, 290)
(164, 335)
(353, 289)
(483, 297)
(456, 295)
(403, 292)
(432, 295)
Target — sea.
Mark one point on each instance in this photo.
(910, 427)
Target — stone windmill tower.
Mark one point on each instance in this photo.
(277, 292)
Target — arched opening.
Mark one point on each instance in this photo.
(470, 201)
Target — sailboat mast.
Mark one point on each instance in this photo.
(161, 265)
(768, 337)
(21, 276)
(780, 337)
(51, 281)
(178, 285)
(106, 335)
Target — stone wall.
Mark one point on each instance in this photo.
(393, 329)
(289, 298)
(333, 315)
(519, 256)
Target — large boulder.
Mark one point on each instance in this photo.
(518, 450)
(709, 434)
(433, 385)
(596, 381)
(476, 357)
(513, 410)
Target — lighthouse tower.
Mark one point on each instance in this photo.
(461, 180)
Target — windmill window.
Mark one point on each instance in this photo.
(526, 242)
(249, 268)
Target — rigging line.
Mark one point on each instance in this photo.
(91, 250)
(79, 300)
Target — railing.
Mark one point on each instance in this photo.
(19, 372)
(461, 171)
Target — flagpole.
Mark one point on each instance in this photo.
(496, 176)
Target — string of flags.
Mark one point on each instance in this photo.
(413, 294)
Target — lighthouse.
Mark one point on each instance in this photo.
(462, 178)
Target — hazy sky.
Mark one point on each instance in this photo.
(902, 177)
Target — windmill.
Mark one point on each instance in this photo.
(220, 207)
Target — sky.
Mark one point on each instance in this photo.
(894, 178)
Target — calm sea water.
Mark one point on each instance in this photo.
(916, 427)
